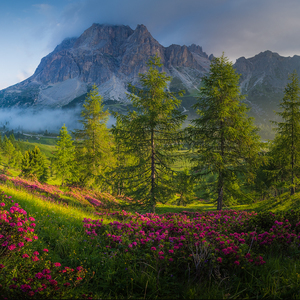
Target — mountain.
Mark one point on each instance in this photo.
(110, 57)
(263, 79)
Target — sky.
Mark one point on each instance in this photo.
(31, 29)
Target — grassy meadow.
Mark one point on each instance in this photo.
(71, 243)
(173, 270)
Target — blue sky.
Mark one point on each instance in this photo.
(30, 29)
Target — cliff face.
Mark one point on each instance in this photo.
(108, 56)
(263, 79)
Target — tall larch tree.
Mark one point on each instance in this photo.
(63, 160)
(150, 134)
(224, 139)
(286, 145)
(94, 142)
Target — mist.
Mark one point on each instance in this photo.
(30, 120)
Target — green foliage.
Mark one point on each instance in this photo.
(93, 143)
(225, 140)
(185, 185)
(150, 134)
(63, 160)
(35, 165)
(285, 150)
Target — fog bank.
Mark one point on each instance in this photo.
(30, 120)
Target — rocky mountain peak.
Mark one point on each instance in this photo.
(197, 49)
(109, 56)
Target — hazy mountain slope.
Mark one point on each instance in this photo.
(263, 79)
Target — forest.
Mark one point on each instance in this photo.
(149, 209)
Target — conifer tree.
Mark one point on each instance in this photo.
(63, 161)
(35, 165)
(150, 134)
(286, 145)
(225, 140)
(93, 142)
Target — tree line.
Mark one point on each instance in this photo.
(227, 160)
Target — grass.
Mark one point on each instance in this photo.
(45, 148)
(60, 229)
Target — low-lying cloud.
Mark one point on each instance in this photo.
(52, 120)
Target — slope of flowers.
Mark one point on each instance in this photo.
(32, 275)
(54, 194)
(208, 241)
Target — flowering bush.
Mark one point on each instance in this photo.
(37, 278)
(16, 228)
(205, 240)
(31, 275)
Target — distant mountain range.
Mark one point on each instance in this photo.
(112, 56)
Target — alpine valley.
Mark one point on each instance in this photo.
(113, 56)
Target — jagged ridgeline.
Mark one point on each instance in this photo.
(112, 56)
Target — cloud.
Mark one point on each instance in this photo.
(237, 27)
(31, 120)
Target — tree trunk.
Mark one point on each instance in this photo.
(220, 197)
(221, 179)
(292, 163)
(153, 202)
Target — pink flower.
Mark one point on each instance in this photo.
(171, 259)
(57, 264)
(35, 237)
(237, 262)
(35, 253)
(12, 247)
(2, 204)
(35, 258)
(67, 284)
(45, 250)
(46, 271)
(160, 253)
(171, 251)
(153, 248)
(161, 257)
(219, 259)
(79, 278)
(1, 266)
(21, 244)
(25, 255)
(53, 282)
(39, 275)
